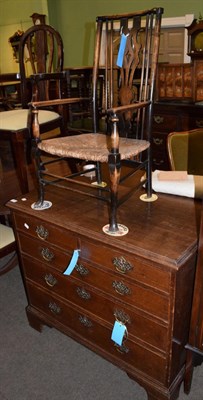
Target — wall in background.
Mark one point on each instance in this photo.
(75, 20)
(14, 16)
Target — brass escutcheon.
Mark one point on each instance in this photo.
(50, 280)
(42, 232)
(122, 265)
(120, 288)
(47, 254)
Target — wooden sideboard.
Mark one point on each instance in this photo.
(143, 280)
(169, 117)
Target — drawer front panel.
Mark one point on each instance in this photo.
(126, 265)
(44, 252)
(164, 123)
(132, 295)
(191, 122)
(98, 334)
(46, 232)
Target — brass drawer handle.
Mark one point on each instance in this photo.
(122, 265)
(160, 162)
(122, 317)
(54, 308)
(47, 254)
(157, 141)
(81, 270)
(50, 280)
(158, 119)
(122, 349)
(42, 232)
(120, 288)
(199, 123)
(83, 293)
(85, 321)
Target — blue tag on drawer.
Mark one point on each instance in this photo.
(72, 263)
(118, 332)
(121, 51)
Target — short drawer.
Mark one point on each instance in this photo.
(160, 160)
(126, 265)
(44, 252)
(164, 122)
(98, 334)
(85, 295)
(189, 122)
(46, 232)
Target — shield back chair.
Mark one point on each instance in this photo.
(126, 49)
(41, 65)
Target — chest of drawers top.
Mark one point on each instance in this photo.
(164, 232)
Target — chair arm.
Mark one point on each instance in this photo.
(45, 103)
(128, 107)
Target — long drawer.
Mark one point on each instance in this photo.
(134, 294)
(98, 334)
(139, 324)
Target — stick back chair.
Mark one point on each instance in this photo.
(40, 55)
(126, 48)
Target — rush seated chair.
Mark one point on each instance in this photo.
(41, 65)
(127, 49)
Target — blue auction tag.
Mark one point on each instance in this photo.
(121, 50)
(72, 263)
(118, 332)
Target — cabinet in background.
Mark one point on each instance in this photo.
(169, 117)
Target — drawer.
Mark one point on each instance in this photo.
(159, 141)
(85, 295)
(44, 252)
(189, 122)
(164, 122)
(160, 160)
(127, 265)
(98, 335)
(46, 232)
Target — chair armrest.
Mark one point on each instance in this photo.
(45, 103)
(129, 107)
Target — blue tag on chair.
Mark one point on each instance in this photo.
(121, 51)
(72, 263)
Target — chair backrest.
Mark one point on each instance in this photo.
(126, 53)
(185, 151)
(40, 52)
(177, 148)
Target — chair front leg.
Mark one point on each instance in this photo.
(114, 170)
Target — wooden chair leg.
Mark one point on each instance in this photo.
(18, 145)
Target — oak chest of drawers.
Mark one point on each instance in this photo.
(143, 280)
